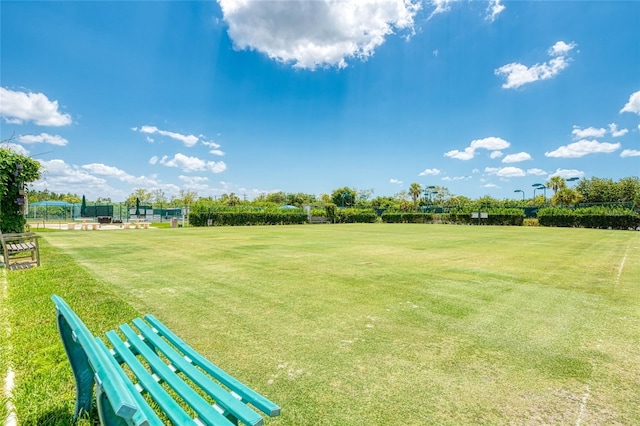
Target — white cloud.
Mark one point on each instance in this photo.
(589, 132)
(567, 173)
(211, 144)
(153, 160)
(467, 154)
(441, 6)
(193, 179)
(582, 148)
(116, 173)
(505, 171)
(216, 152)
(491, 185)
(495, 154)
(316, 33)
(188, 140)
(43, 138)
(494, 9)
(430, 172)
(630, 153)
(516, 158)
(18, 107)
(561, 48)
(491, 143)
(634, 103)
(193, 164)
(536, 172)
(518, 74)
(16, 148)
(395, 181)
(613, 129)
(456, 178)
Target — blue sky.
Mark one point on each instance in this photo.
(255, 96)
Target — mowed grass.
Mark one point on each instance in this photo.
(362, 324)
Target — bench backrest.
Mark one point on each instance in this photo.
(89, 355)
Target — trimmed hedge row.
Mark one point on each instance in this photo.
(407, 217)
(510, 217)
(591, 217)
(355, 216)
(242, 218)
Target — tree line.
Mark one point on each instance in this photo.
(591, 191)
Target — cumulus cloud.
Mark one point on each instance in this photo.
(615, 132)
(430, 172)
(316, 33)
(567, 173)
(19, 107)
(589, 132)
(19, 149)
(214, 148)
(505, 171)
(187, 140)
(630, 153)
(536, 172)
(496, 154)
(441, 6)
(192, 164)
(494, 9)
(43, 138)
(456, 178)
(634, 103)
(582, 148)
(491, 143)
(116, 173)
(154, 160)
(395, 181)
(518, 74)
(516, 158)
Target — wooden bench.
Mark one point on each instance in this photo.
(20, 251)
(151, 364)
(319, 219)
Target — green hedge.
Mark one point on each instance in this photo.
(407, 217)
(355, 216)
(512, 217)
(590, 217)
(242, 218)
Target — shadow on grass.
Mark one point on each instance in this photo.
(63, 417)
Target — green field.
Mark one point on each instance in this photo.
(358, 324)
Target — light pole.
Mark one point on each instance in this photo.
(540, 186)
(520, 190)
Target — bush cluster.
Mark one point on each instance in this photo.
(243, 218)
(590, 217)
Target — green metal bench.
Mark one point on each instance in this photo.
(152, 377)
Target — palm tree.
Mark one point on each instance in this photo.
(415, 190)
(556, 183)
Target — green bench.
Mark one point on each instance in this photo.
(151, 377)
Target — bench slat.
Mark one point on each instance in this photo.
(123, 402)
(247, 394)
(146, 416)
(213, 389)
(173, 410)
(199, 405)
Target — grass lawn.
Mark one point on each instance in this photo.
(358, 324)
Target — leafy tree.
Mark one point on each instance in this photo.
(16, 171)
(566, 197)
(184, 198)
(139, 194)
(230, 199)
(159, 197)
(103, 200)
(343, 197)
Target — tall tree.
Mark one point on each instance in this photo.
(415, 190)
(556, 183)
